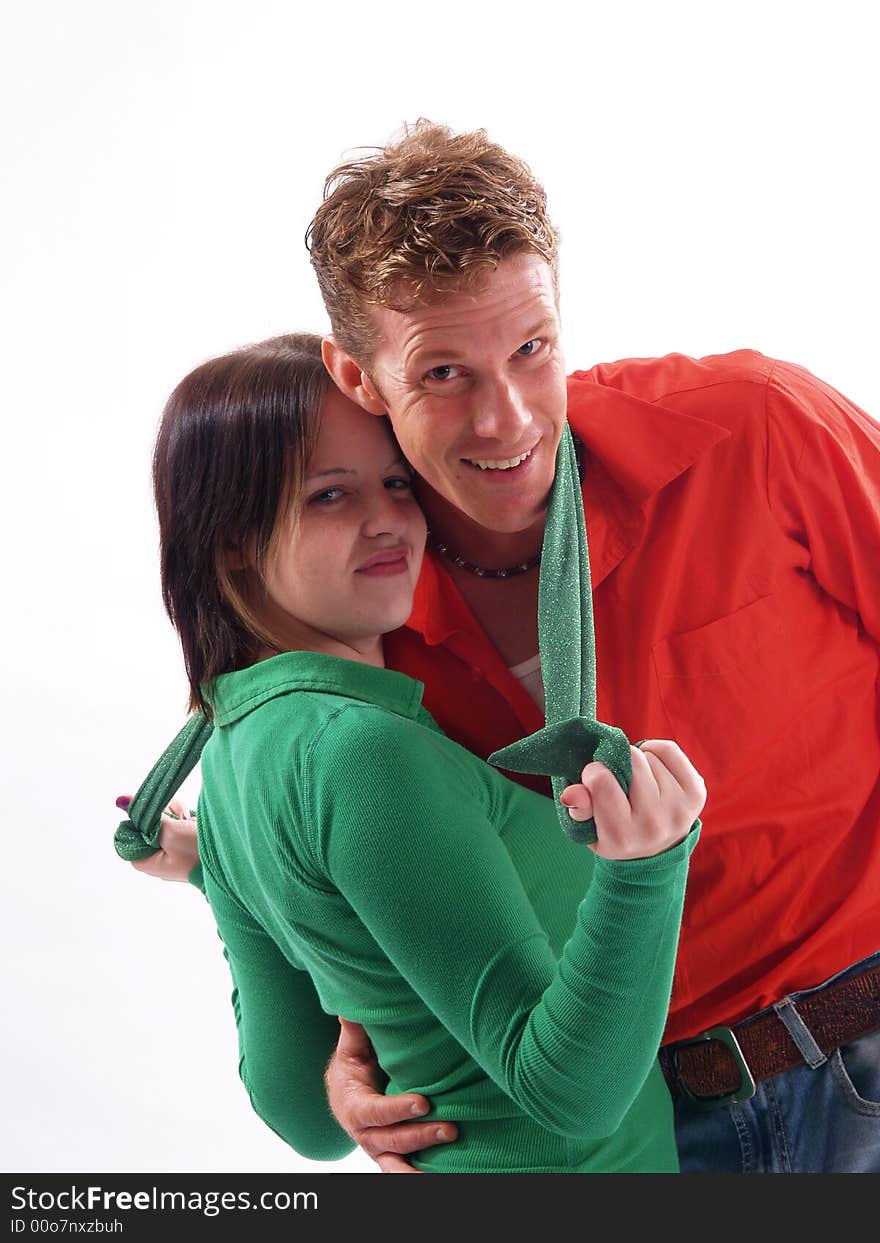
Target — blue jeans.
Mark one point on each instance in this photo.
(803, 1121)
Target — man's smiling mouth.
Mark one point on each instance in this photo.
(499, 463)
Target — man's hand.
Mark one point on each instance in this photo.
(382, 1125)
(178, 851)
(666, 795)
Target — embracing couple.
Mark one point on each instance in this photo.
(353, 541)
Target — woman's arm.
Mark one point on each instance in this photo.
(418, 857)
(289, 1037)
(284, 1037)
(177, 853)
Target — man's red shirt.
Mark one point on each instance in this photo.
(733, 520)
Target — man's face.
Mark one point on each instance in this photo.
(474, 385)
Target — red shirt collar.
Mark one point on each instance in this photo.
(438, 608)
(643, 445)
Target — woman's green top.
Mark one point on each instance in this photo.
(518, 981)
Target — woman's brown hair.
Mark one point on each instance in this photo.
(231, 456)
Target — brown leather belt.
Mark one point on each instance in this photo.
(723, 1065)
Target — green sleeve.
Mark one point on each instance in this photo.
(284, 1037)
(406, 828)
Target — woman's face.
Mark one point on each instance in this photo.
(347, 574)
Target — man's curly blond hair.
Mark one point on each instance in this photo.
(432, 212)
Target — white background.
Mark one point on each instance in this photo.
(713, 170)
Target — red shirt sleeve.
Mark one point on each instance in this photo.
(824, 486)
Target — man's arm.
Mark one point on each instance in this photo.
(382, 1125)
(824, 486)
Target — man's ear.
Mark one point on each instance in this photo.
(349, 378)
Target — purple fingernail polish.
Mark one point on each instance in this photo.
(122, 802)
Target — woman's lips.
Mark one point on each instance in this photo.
(385, 564)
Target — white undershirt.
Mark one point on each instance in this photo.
(528, 674)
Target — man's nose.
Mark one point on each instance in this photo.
(501, 413)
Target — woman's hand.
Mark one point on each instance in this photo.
(382, 1125)
(666, 795)
(178, 851)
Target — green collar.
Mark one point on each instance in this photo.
(234, 695)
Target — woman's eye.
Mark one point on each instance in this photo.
(400, 483)
(326, 497)
(530, 347)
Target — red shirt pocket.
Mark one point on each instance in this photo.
(728, 688)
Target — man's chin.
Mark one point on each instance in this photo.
(506, 512)
(504, 519)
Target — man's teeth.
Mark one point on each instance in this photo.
(500, 464)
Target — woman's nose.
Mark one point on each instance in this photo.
(384, 514)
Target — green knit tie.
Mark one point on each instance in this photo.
(572, 736)
(138, 837)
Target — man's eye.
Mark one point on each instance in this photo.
(530, 347)
(446, 372)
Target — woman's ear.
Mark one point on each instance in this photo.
(236, 557)
(349, 378)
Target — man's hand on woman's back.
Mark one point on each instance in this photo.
(382, 1125)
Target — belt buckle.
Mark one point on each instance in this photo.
(746, 1088)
